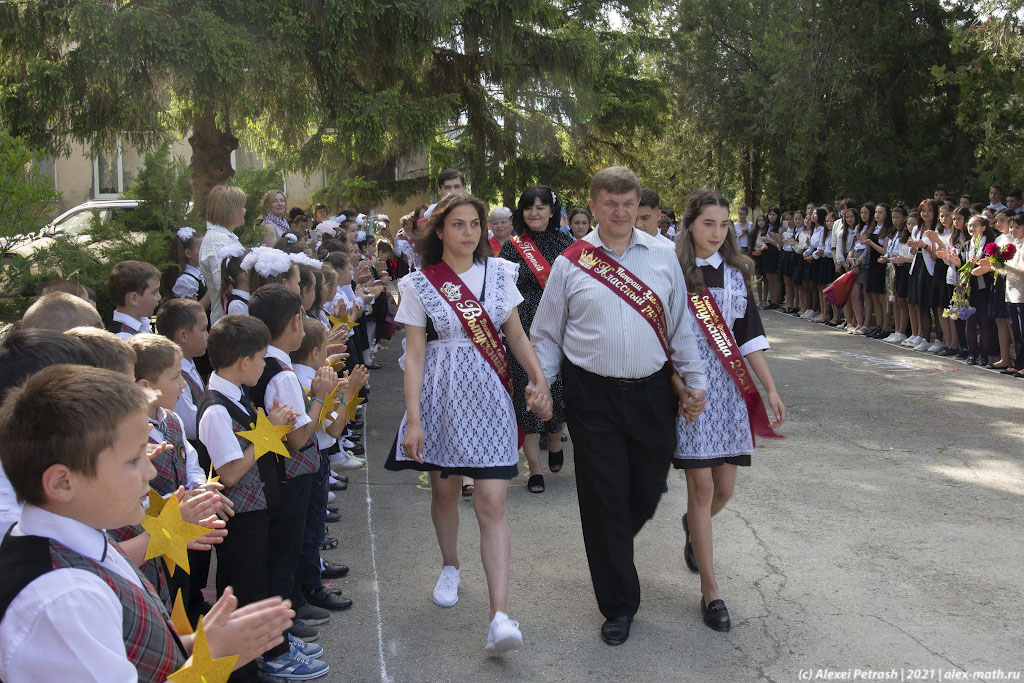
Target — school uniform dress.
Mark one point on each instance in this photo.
(770, 255)
(801, 268)
(939, 297)
(876, 271)
(466, 413)
(901, 272)
(786, 258)
(997, 307)
(551, 243)
(919, 292)
(190, 284)
(722, 432)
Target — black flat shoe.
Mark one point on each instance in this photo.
(332, 508)
(1009, 371)
(972, 360)
(332, 517)
(329, 543)
(691, 559)
(616, 631)
(555, 461)
(343, 478)
(535, 484)
(333, 571)
(715, 615)
(339, 485)
(331, 600)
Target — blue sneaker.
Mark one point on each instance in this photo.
(294, 666)
(311, 650)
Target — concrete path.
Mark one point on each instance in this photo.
(882, 537)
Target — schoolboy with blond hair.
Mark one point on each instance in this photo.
(110, 351)
(60, 311)
(135, 289)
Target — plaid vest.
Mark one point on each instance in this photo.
(170, 465)
(153, 569)
(305, 460)
(258, 489)
(117, 327)
(150, 642)
(194, 388)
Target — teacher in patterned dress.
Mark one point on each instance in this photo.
(535, 244)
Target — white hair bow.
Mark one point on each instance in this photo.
(186, 233)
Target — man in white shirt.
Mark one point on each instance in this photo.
(648, 214)
(449, 181)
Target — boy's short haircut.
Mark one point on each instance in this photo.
(450, 174)
(1016, 193)
(276, 306)
(24, 352)
(178, 314)
(109, 351)
(235, 336)
(153, 355)
(60, 311)
(649, 197)
(91, 404)
(130, 276)
(67, 286)
(315, 337)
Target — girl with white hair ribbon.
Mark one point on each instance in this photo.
(188, 282)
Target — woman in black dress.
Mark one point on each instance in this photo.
(538, 214)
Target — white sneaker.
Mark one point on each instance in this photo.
(890, 338)
(911, 342)
(897, 338)
(923, 346)
(344, 460)
(346, 444)
(446, 592)
(809, 314)
(504, 634)
(937, 345)
(331, 496)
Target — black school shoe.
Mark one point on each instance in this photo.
(333, 571)
(331, 600)
(715, 615)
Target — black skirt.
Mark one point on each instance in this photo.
(901, 280)
(826, 270)
(497, 472)
(997, 307)
(786, 263)
(876, 273)
(919, 291)
(770, 259)
(697, 463)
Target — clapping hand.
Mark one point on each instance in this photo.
(247, 631)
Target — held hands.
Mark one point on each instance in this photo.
(412, 442)
(691, 401)
(203, 508)
(281, 414)
(538, 401)
(248, 631)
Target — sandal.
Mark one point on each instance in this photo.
(555, 461)
(535, 484)
(996, 366)
(467, 489)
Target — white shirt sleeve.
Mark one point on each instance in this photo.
(185, 287)
(218, 436)
(64, 626)
(237, 306)
(285, 387)
(186, 410)
(410, 308)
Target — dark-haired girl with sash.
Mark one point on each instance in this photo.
(535, 244)
(728, 330)
(459, 418)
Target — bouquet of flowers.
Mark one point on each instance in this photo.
(998, 256)
(959, 305)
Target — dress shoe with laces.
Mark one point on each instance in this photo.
(715, 615)
(616, 631)
(691, 559)
(331, 600)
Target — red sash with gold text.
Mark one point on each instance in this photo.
(495, 245)
(530, 252)
(475, 321)
(711, 322)
(629, 287)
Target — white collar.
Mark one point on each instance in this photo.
(304, 373)
(715, 261)
(281, 356)
(226, 387)
(161, 416)
(192, 270)
(134, 323)
(189, 366)
(241, 293)
(82, 538)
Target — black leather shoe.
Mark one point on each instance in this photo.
(332, 517)
(616, 631)
(715, 615)
(332, 508)
(333, 571)
(358, 449)
(691, 559)
(329, 600)
(339, 485)
(355, 424)
(343, 478)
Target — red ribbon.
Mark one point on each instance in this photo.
(628, 286)
(530, 252)
(478, 325)
(495, 245)
(711, 322)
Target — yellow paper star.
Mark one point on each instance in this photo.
(329, 402)
(169, 535)
(343, 319)
(350, 407)
(178, 617)
(266, 436)
(210, 478)
(156, 503)
(204, 668)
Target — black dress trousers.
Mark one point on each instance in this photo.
(623, 434)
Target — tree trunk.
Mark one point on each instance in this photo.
(211, 157)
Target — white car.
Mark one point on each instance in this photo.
(72, 223)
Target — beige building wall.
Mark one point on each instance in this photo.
(79, 177)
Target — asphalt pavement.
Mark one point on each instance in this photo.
(882, 538)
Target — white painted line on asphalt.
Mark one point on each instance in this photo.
(384, 678)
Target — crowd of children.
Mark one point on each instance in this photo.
(940, 277)
(192, 361)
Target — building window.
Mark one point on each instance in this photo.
(108, 173)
